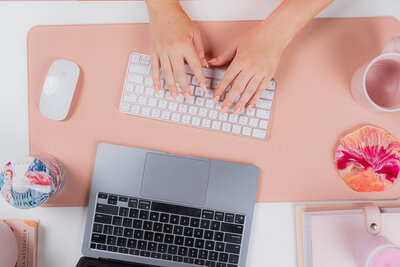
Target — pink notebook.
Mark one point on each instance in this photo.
(313, 106)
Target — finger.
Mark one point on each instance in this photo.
(238, 86)
(155, 71)
(261, 88)
(230, 74)
(194, 63)
(198, 45)
(178, 67)
(225, 57)
(168, 75)
(248, 93)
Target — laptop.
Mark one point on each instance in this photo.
(150, 208)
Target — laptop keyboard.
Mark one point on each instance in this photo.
(140, 99)
(151, 229)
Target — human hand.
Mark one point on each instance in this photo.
(255, 57)
(174, 39)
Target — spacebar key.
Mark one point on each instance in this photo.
(175, 209)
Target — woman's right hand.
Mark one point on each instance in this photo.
(174, 39)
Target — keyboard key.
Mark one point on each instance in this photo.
(164, 217)
(232, 248)
(218, 236)
(128, 232)
(210, 245)
(137, 224)
(134, 213)
(157, 227)
(177, 258)
(188, 231)
(263, 124)
(101, 247)
(208, 234)
(229, 217)
(213, 255)
(175, 209)
(118, 231)
(158, 237)
(223, 257)
(239, 219)
(148, 236)
(233, 259)
(236, 129)
(134, 252)
(219, 246)
(184, 221)
(112, 249)
(216, 125)
(178, 230)
(259, 133)
(147, 225)
(145, 254)
(126, 222)
(203, 254)
(193, 252)
(156, 255)
(97, 228)
(143, 214)
(183, 251)
(122, 242)
(123, 212)
(134, 78)
(188, 260)
(176, 117)
(205, 224)
(98, 238)
(142, 245)
(172, 249)
(138, 234)
(174, 219)
(233, 238)
(232, 228)
(102, 195)
(205, 123)
(179, 240)
(189, 242)
(107, 209)
(162, 248)
(117, 220)
(199, 243)
(196, 121)
(169, 239)
(233, 118)
(194, 222)
(215, 225)
(152, 246)
(108, 229)
(267, 95)
(210, 264)
(219, 216)
(100, 218)
(132, 203)
(263, 114)
(132, 243)
(167, 228)
(198, 233)
(226, 127)
(185, 119)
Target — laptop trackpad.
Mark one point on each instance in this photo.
(175, 179)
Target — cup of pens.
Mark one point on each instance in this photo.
(30, 181)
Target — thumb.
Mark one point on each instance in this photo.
(198, 45)
(225, 57)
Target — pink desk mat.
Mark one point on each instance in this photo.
(313, 106)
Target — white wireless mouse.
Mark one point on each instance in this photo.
(58, 89)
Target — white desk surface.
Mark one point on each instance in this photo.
(273, 241)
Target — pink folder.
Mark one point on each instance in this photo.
(313, 106)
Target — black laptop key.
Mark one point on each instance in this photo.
(232, 248)
(108, 229)
(138, 234)
(166, 257)
(145, 254)
(118, 231)
(164, 218)
(123, 250)
(188, 231)
(210, 245)
(194, 222)
(144, 215)
(162, 248)
(132, 243)
(185, 221)
(232, 228)
(122, 199)
(93, 246)
(154, 216)
(97, 238)
(210, 263)
(203, 254)
(113, 197)
(132, 203)
(229, 217)
(112, 249)
(126, 222)
(233, 238)
(199, 262)
(193, 252)
(124, 212)
(167, 228)
(183, 251)
(102, 195)
(97, 228)
(134, 213)
(128, 232)
(158, 237)
(144, 204)
(121, 242)
(199, 243)
(213, 255)
(148, 236)
(147, 225)
(219, 216)
(157, 227)
(178, 230)
(179, 240)
(198, 233)
(189, 242)
(223, 257)
(232, 265)
(100, 218)
(117, 220)
(101, 247)
(219, 236)
(152, 246)
(207, 214)
(208, 234)
(188, 260)
(175, 209)
(172, 249)
(142, 245)
(156, 255)
(239, 219)
(134, 252)
(233, 259)
(177, 258)
(111, 240)
(137, 224)
(205, 224)
(220, 264)
(219, 246)
(169, 239)
(174, 219)
(112, 202)
(215, 225)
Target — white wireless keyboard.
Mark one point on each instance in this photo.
(139, 98)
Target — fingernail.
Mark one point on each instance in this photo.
(187, 97)
(216, 99)
(224, 109)
(203, 86)
(205, 63)
(249, 107)
(237, 111)
(213, 60)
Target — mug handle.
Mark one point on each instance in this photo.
(393, 46)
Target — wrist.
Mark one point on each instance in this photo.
(281, 34)
(153, 5)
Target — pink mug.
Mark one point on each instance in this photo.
(377, 251)
(376, 85)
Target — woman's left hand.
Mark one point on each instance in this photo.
(255, 57)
